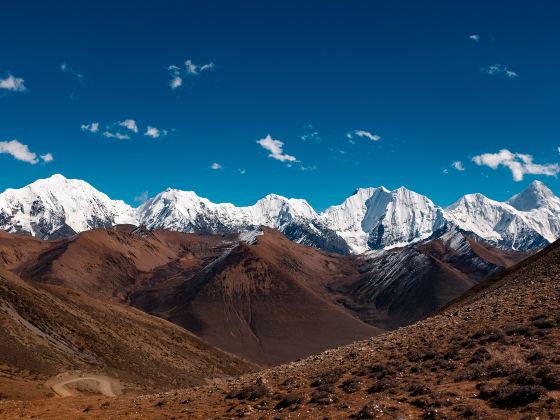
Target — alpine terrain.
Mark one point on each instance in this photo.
(491, 353)
(370, 219)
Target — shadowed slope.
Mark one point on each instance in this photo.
(403, 285)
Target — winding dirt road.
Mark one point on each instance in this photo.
(104, 385)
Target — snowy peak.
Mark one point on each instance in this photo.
(371, 218)
(536, 195)
(276, 206)
(375, 218)
(352, 211)
(58, 206)
(516, 224)
(187, 212)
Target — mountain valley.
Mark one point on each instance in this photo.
(491, 353)
(100, 298)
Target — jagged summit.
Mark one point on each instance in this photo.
(536, 195)
(528, 220)
(376, 218)
(371, 218)
(58, 206)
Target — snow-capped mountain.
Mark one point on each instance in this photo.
(376, 218)
(185, 211)
(541, 207)
(54, 207)
(372, 218)
(529, 220)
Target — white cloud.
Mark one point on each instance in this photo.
(65, 68)
(195, 69)
(130, 125)
(276, 149)
(242, 171)
(176, 73)
(475, 37)
(364, 134)
(176, 80)
(92, 128)
(311, 134)
(143, 196)
(216, 166)
(13, 84)
(519, 164)
(445, 171)
(118, 136)
(500, 70)
(308, 168)
(154, 132)
(21, 152)
(458, 165)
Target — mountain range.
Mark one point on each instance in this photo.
(491, 353)
(257, 294)
(181, 291)
(370, 219)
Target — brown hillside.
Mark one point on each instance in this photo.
(48, 330)
(266, 302)
(492, 355)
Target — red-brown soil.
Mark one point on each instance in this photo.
(46, 330)
(492, 354)
(269, 302)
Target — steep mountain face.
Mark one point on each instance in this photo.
(184, 211)
(56, 207)
(376, 218)
(529, 220)
(403, 285)
(372, 218)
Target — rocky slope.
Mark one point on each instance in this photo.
(492, 354)
(49, 330)
(266, 301)
(400, 286)
(259, 295)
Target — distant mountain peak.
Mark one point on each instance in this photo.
(536, 195)
(57, 177)
(371, 218)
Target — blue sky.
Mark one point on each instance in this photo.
(359, 93)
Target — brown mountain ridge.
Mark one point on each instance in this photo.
(269, 301)
(491, 354)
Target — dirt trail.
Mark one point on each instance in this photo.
(95, 384)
